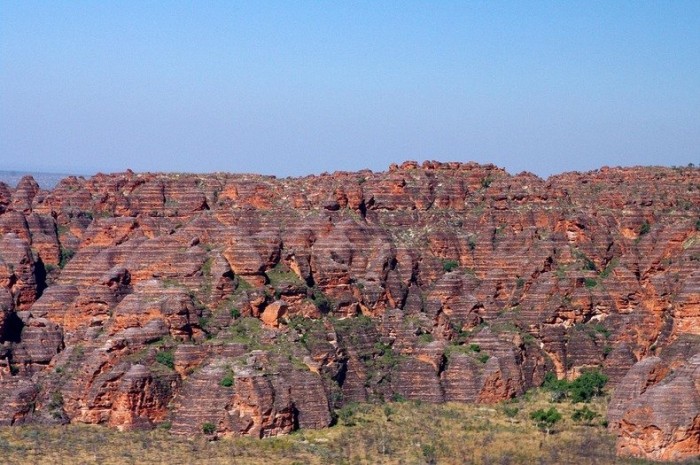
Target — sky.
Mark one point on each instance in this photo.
(291, 88)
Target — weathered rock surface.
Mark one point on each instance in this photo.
(663, 421)
(133, 299)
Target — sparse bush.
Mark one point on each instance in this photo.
(449, 265)
(321, 300)
(346, 415)
(66, 255)
(208, 428)
(166, 358)
(166, 425)
(226, 381)
(645, 228)
(584, 415)
(429, 453)
(510, 411)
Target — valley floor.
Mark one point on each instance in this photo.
(391, 433)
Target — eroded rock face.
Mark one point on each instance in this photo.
(663, 421)
(435, 282)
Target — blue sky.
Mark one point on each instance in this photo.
(296, 87)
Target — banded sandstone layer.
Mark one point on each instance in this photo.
(250, 305)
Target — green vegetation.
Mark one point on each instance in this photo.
(449, 265)
(208, 428)
(587, 386)
(600, 329)
(546, 419)
(246, 330)
(608, 268)
(166, 358)
(346, 413)
(590, 283)
(281, 274)
(321, 300)
(645, 228)
(227, 381)
(583, 389)
(235, 313)
(584, 415)
(412, 433)
(66, 255)
(588, 264)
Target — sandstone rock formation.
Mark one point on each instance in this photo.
(655, 410)
(254, 305)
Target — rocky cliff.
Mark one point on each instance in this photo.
(250, 305)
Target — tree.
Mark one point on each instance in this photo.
(545, 419)
(587, 386)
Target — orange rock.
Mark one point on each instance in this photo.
(273, 313)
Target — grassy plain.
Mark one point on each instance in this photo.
(391, 434)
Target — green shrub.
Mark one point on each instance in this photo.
(235, 313)
(66, 255)
(226, 381)
(510, 410)
(558, 387)
(208, 428)
(166, 358)
(321, 300)
(449, 265)
(599, 328)
(346, 414)
(645, 228)
(475, 347)
(584, 415)
(590, 283)
(429, 453)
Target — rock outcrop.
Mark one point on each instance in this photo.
(249, 305)
(659, 419)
